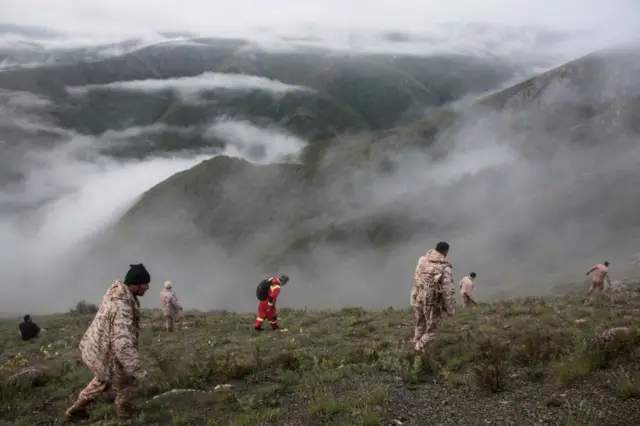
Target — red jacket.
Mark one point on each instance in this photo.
(274, 292)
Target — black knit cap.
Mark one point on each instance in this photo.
(136, 275)
(442, 247)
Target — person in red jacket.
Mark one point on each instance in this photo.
(267, 307)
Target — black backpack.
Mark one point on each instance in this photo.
(262, 292)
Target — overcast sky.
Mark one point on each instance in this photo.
(218, 16)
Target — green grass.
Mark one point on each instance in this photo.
(522, 361)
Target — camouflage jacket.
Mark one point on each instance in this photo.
(109, 347)
(466, 285)
(170, 305)
(433, 283)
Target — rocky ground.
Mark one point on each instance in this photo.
(525, 362)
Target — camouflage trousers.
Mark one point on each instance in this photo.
(170, 321)
(466, 300)
(124, 391)
(428, 320)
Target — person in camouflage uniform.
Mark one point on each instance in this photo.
(433, 292)
(599, 277)
(466, 289)
(170, 307)
(109, 348)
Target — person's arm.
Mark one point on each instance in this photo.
(124, 346)
(271, 300)
(591, 270)
(420, 269)
(449, 290)
(175, 303)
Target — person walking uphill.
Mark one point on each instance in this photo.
(433, 292)
(601, 274)
(267, 293)
(109, 348)
(466, 288)
(170, 306)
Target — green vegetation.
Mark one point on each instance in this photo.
(324, 199)
(350, 93)
(306, 114)
(524, 361)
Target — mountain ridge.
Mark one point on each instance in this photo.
(344, 172)
(348, 92)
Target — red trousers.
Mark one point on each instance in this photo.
(266, 312)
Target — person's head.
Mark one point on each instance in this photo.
(284, 279)
(606, 263)
(27, 318)
(443, 248)
(168, 285)
(137, 279)
(473, 275)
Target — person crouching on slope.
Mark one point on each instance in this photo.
(109, 348)
(29, 329)
(170, 307)
(433, 292)
(267, 293)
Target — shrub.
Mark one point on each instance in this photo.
(84, 308)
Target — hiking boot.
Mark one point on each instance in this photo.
(125, 411)
(275, 327)
(76, 414)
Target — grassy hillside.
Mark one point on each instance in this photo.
(185, 124)
(526, 361)
(586, 101)
(349, 92)
(380, 87)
